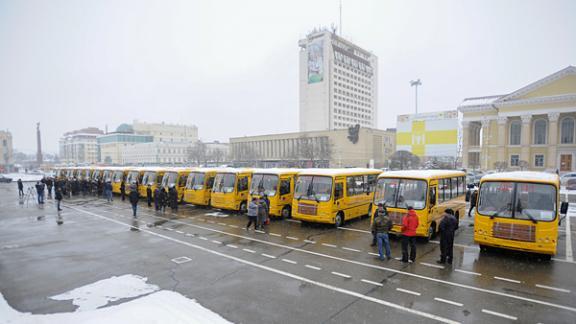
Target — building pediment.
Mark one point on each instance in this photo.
(557, 84)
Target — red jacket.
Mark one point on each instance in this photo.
(410, 223)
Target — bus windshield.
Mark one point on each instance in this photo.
(317, 188)
(264, 184)
(519, 200)
(132, 177)
(149, 178)
(224, 182)
(169, 179)
(195, 181)
(401, 193)
(118, 176)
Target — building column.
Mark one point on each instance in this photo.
(502, 121)
(465, 143)
(484, 158)
(552, 141)
(526, 138)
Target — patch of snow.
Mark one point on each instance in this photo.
(24, 176)
(102, 292)
(217, 214)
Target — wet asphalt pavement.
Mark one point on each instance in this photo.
(288, 273)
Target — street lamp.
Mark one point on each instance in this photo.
(415, 84)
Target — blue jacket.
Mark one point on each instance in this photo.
(253, 209)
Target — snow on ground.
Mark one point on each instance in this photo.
(217, 214)
(156, 307)
(102, 292)
(23, 176)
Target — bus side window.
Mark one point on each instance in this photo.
(182, 181)
(338, 191)
(242, 184)
(432, 196)
(210, 183)
(284, 187)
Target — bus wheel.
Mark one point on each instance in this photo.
(338, 220)
(242, 207)
(431, 232)
(286, 212)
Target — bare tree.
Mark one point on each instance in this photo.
(500, 165)
(404, 160)
(197, 153)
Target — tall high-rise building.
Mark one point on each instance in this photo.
(338, 83)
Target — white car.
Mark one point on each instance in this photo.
(567, 176)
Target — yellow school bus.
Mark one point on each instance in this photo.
(199, 186)
(333, 196)
(519, 211)
(83, 173)
(134, 177)
(429, 192)
(278, 185)
(176, 177)
(230, 189)
(97, 174)
(118, 176)
(152, 176)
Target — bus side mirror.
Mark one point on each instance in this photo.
(564, 207)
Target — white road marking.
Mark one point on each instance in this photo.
(170, 229)
(354, 230)
(293, 220)
(569, 253)
(274, 234)
(343, 275)
(506, 279)
(449, 302)
(223, 224)
(249, 251)
(217, 242)
(374, 254)
(499, 314)
(202, 238)
(232, 246)
(415, 293)
(367, 265)
(553, 288)
(432, 265)
(287, 274)
(234, 226)
(329, 245)
(211, 222)
(473, 247)
(289, 261)
(292, 238)
(351, 249)
(313, 267)
(259, 231)
(562, 260)
(468, 272)
(179, 232)
(188, 234)
(372, 282)
(180, 260)
(268, 256)
(309, 241)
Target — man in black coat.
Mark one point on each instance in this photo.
(447, 227)
(149, 195)
(157, 197)
(58, 196)
(49, 184)
(173, 199)
(20, 188)
(473, 198)
(133, 197)
(123, 190)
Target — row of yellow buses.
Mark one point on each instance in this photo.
(515, 210)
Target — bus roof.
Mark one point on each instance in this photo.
(337, 172)
(422, 174)
(234, 170)
(522, 176)
(277, 171)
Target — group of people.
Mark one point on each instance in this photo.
(159, 196)
(46, 184)
(258, 212)
(382, 225)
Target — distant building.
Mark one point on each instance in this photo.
(532, 128)
(171, 133)
(80, 146)
(156, 153)
(6, 151)
(337, 148)
(338, 83)
(112, 145)
(217, 152)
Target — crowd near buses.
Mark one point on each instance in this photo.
(514, 210)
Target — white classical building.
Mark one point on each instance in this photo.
(156, 153)
(162, 132)
(80, 146)
(338, 83)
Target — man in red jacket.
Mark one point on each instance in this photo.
(409, 226)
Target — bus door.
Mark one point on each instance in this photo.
(338, 194)
(285, 192)
(242, 188)
(433, 210)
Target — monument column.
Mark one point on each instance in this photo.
(465, 144)
(502, 121)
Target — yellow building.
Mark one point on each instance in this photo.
(532, 128)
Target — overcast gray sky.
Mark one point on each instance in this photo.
(231, 67)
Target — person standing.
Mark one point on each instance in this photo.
(108, 191)
(267, 201)
(381, 226)
(157, 201)
(20, 188)
(133, 198)
(252, 213)
(473, 198)
(262, 213)
(409, 226)
(173, 198)
(149, 195)
(49, 184)
(40, 192)
(163, 199)
(447, 228)
(58, 196)
(122, 190)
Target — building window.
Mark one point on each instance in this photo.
(567, 131)
(539, 131)
(514, 159)
(539, 160)
(515, 132)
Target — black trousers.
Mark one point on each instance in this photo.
(446, 246)
(470, 210)
(252, 220)
(408, 240)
